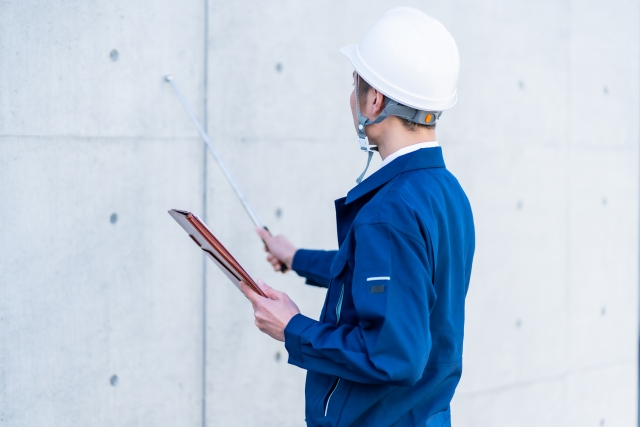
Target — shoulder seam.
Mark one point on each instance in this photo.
(391, 190)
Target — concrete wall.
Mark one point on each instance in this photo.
(100, 295)
(544, 139)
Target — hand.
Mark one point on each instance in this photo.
(279, 249)
(272, 314)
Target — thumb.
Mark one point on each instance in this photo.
(264, 234)
(268, 290)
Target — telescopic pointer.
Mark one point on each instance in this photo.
(218, 159)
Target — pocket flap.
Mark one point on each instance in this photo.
(338, 264)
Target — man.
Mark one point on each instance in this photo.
(387, 350)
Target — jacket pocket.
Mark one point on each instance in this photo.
(339, 306)
(440, 419)
(335, 294)
(327, 399)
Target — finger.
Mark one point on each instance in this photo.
(275, 262)
(249, 293)
(268, 290)
(244, 289)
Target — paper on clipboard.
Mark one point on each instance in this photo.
(207, 241)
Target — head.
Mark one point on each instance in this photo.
(393, 128)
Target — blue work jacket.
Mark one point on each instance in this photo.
(387, 350)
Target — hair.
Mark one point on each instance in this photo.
(363, 90)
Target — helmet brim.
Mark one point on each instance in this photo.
(348, 50)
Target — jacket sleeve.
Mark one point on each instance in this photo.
(314, 266)
(393, 294)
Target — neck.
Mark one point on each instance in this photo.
(394, 138)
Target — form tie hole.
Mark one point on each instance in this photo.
(279, 67)
(277, 357)
(114, 55)
(279, 213)
(113, 218)
(113, 380)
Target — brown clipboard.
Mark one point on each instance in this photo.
(207, 241)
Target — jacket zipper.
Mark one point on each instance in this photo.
(326, 407)
(338, 310)
(339, 305)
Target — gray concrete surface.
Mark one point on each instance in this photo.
(96, 282)
(544, 139)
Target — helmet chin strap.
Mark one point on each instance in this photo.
(370, 152)
(391, 108)
(362, 137)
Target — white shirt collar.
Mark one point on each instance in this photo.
(406, 150)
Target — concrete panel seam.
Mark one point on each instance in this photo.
(204, 213)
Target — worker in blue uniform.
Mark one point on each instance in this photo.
(387, 348)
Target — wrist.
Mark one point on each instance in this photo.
(289, 260)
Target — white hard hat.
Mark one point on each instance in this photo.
(409, 57)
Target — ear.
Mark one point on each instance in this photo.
(378, 102)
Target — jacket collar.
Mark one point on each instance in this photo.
(421, 159)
